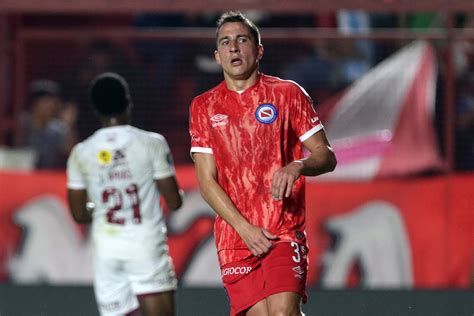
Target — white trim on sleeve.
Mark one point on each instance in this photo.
(76, 185)
(311, 132)
(163, 175)
(204, 150)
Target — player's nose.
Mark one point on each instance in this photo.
(233, 47)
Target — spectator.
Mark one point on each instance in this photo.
(465, 123)
(303, 71)
(49, 126)
(103, 56)
(354, 57)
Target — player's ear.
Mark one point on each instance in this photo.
(260, 52)
(216, 56)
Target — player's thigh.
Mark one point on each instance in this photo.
(112, 289)
(162, 304)
(284, 303)
(259, 309)
(244, 285)
(285, 269)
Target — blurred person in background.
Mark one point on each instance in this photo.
(247, 138)
(106, 56)
(318, 61)
(49, 125)
(464, 71)
(465, 122)
(115, 179)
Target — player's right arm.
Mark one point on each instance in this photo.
(76, 188)
(77, 200)
(257, 239)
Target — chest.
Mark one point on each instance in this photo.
(251, 119)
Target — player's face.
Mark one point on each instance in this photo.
(236, 51)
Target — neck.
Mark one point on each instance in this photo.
(114, 120)
(236, 84)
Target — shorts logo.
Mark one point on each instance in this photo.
(219, 120)
(266, 113)
(236, 270)
(299, 272)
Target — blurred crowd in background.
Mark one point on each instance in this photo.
(164, 75)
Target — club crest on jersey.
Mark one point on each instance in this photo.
(104, 157)
(266, 113)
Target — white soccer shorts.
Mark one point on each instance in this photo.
(117, 282)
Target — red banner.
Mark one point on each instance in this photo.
(413, 233)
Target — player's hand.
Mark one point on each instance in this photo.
(258, 240)
(284, 178)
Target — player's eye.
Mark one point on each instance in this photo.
(243, 40)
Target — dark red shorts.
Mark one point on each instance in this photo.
(251, 280)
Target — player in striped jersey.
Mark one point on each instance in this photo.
(121, 172)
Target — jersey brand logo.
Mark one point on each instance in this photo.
(219, 120)
(266, 113)
(315, 120)
(218, 117)
(298, 270)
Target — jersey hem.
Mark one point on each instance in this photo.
(76, 186)
(163, 175)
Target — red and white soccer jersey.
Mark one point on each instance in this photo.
(251, 135)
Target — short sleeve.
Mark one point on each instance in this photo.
(75, 176)
(304, 118)
(163, 166)
(199, 129)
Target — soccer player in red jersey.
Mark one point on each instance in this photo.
(247, 141)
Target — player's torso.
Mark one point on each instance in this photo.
(120, 182)
(252, 137)
(249, 131)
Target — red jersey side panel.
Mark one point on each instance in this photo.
(252, 135)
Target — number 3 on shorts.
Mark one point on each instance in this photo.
(296, 248)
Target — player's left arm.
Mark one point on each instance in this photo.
(321, 160)
(77, 200)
